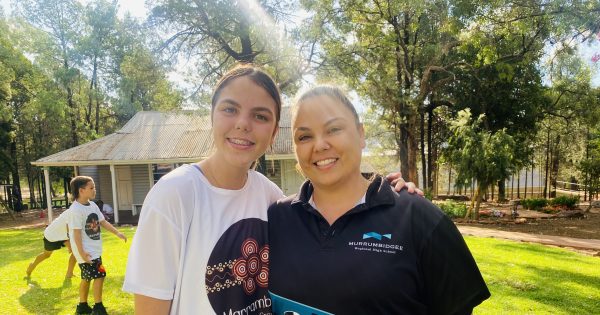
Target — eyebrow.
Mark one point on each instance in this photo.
(329, 122)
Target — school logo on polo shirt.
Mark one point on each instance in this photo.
(376, 242)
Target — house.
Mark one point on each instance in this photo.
(127, 163)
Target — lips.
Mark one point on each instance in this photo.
(240, 143)
(325, 162)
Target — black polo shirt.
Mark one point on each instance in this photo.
(396, 253)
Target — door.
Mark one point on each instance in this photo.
(291, 179)
(124, 187)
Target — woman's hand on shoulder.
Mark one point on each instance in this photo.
(395, 179)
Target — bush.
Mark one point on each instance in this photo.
(565, 202)
(454, 209)
(534, 203)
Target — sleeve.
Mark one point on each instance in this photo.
(99, 213)
(76, 220)
(453, 283)
(154, 256)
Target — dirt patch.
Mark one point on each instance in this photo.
(535, 222)
(27, 219)
(587, 227)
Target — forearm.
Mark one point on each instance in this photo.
(147, 305)
(105, 224)
(78, 243)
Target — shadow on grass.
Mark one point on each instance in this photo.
(561, 289)
(39, 300)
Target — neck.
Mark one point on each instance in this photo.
(224, 176)
(83, 201)
(333, 201)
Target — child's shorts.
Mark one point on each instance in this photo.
(92, 271)
(50, 246)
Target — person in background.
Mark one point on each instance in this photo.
(349, 245)
(85, 225)
(107, 210)
(56, 236)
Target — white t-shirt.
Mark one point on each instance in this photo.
(86, 218)
(203, 247)
(57, 230)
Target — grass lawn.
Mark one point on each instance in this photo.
(523, 278)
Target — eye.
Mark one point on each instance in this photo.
(229, 110)
(303, 138)
(334, 129)
(261, 117)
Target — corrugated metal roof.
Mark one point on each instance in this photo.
(154, 136)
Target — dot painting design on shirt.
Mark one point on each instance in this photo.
(253, 267)
(237, 270)
(250, 270)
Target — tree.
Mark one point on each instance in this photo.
(479, 155)
(406, 56)
(144, 85)
(213, 35)
(62, 21)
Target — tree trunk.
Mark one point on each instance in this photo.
(555, 164)
(432, 166)
(480, 191)
(547, 164)
(449, 178)
(519, 184)
(501, 190)
(525, 193)
(423, 160)
(16, 184)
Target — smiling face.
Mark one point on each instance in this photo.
(328, 142)
(244, 122)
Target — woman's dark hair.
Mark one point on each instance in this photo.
(327, 90)
(258, 76)
(76, 183)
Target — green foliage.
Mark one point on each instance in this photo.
(569, 202)
(534, 203)
(453, 209)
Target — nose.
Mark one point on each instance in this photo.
(321, 144)
(243, 123)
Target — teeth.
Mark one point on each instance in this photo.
(240, 141)
(325, 162)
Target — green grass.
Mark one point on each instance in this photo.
(536, 279)
(47, 292)
(523, 278)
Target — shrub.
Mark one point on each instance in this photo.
(534, 203)
(454, 209)
(565, 202)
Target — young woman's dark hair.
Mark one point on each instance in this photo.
(258, 76)
(76, 183)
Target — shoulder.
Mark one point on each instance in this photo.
(421, 212)
(281, 207)
(178, 180)
(260, 180)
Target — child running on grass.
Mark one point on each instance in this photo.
(87, 245)
(55, 237)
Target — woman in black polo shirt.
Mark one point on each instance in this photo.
(348, 245)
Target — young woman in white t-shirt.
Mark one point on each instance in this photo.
(201, 244)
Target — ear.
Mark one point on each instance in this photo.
(361, 133)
